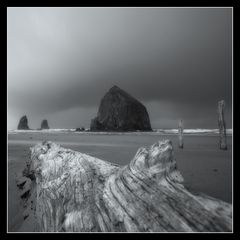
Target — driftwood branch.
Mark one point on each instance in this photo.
(79, 193)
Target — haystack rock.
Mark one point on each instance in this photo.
(119, 111)
(44, 124)
(23, 123)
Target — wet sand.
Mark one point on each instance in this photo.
(204, 167)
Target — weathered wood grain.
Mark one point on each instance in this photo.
(79, 193)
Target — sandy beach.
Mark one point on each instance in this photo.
(204, 167)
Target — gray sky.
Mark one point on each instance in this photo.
(61, 61)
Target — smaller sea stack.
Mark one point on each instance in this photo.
(23, 123)
(44, 124)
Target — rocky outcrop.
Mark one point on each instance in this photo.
(44, 124)
(79, 193)
(119, 111)
(23, 123)
(82, 129)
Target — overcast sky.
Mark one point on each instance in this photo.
(61, 62)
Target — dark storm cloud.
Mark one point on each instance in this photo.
(64, 58)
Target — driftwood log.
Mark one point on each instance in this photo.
(180, 133)
(222, 126)
(75, 192)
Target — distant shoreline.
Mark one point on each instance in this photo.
(154, 132)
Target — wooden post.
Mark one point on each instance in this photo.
(75, 192)
(222, 126)
(180, 133)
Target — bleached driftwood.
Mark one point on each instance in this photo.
(79, 193)
(222, 126)
(180, 133)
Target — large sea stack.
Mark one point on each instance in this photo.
(119, 111)
(23, 123)
(44, 124)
